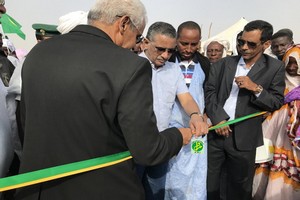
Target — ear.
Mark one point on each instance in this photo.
(145, 42)
(266, 44)
(124, 22)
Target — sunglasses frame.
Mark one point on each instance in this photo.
(251, 45)
(161, 50)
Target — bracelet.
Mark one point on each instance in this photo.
(196, 113)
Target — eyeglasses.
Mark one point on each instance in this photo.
(139, 39)
(161, 50)
(2, 2)
(251, 45)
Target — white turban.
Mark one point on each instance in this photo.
(69, 21)
(222, 42)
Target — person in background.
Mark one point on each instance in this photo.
(186, 176)
(238, 48)
(42, 32)
(6, 116)
(238, 86)
(277, 177)
(93, 99)
(282, 40)
(215, 50)
(8, 47)
(45, 31)
(167, 84)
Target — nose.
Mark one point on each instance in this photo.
(166, 55)
(2, 9)
(244, 46)
(189, 48)
(213, 52)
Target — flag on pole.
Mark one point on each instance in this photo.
(10, 25)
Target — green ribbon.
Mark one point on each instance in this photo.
(47, 174)
(236, 120)
(52, 173)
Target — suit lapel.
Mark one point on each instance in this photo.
(258, 66)
(230, 73)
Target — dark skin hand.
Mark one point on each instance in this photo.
(224, 131)
(245, 82)
(242, 82)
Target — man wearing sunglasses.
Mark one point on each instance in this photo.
(168, 84)
(238, 86)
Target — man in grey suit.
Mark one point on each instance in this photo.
(86, 95)
(238, 86)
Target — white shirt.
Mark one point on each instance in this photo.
(230, 103)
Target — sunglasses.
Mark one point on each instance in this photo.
(161, 50)
(2, 2)
(251, 45)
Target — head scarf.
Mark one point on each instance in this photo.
(224, 43)
(292, 81)
(293, 128)
(69, 21)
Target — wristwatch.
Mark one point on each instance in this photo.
(258, 89)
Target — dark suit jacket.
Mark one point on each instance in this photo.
(85, 97)
(267, 72)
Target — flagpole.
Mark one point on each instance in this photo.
(209, 30)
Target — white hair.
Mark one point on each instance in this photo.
(108, 11)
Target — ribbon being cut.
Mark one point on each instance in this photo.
(61, 171)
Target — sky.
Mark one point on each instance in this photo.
(220, 14)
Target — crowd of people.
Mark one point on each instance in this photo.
(158, 97)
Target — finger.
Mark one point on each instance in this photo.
(193, 132)
(193, 128)
(218, 131)
(198, 130)
(204, 128)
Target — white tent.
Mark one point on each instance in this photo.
(229, 34)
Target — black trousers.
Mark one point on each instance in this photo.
(239, 165)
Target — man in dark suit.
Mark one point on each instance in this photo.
(86, 95)
(238, 86)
